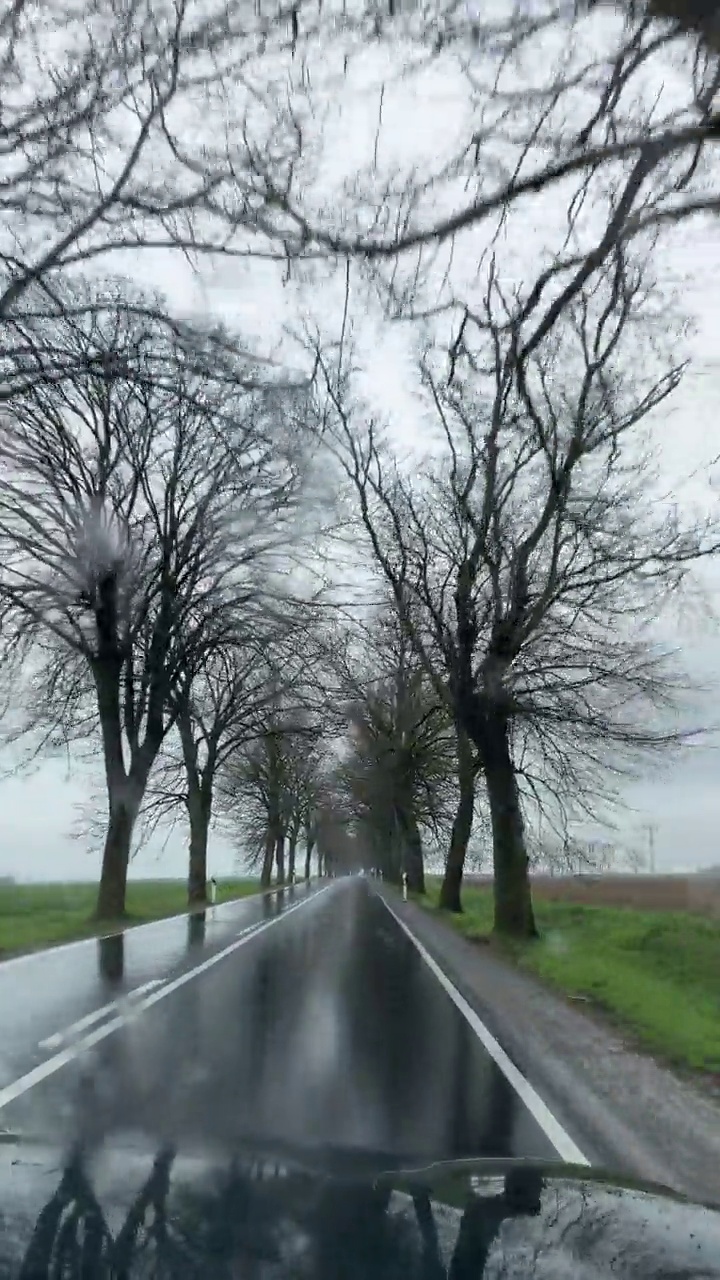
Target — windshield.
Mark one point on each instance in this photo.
(359, 545)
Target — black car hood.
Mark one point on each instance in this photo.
(124, 1211)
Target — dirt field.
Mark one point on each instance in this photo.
(643, 892)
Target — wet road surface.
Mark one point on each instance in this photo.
(308, 1018)
(45, 995)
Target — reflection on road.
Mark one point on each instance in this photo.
(197, 929)
(111, 958)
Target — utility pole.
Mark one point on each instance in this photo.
(651, 828)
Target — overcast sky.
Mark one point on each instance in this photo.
(38, 812)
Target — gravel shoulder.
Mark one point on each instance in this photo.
(625, 1111)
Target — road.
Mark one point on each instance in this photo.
(308, 1017)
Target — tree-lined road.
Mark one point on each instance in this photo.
(309, 1017)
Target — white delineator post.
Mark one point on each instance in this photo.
(404, 884)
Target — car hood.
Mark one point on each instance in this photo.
(124, 1210)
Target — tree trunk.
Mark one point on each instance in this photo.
(513, 909)
(199, 814)
(124, 793)
(461, 828)
(412, 850)
(292, 848)
(308, 855)
(280, 858)
(393, 849)
(200, 797)
(267, 866)
(415, 867)
(115, 861)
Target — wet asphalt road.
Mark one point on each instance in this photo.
(44, 994)
(304, 1018)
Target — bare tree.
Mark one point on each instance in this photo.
(574, 855)
(48, 706)
(692, 17)
(539, 546)
(138, 515)
(101, 149)
(558, 95)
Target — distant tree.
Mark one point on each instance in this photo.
(217, 712)
(368, 658)
(574, 855)
(635, 858)
(401, 762)
(270, 788)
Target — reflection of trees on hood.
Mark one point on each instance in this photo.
(264, 1217)
(521, 1196)
(71, 1232)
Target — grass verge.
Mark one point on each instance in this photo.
(41, 915)
(657, 973)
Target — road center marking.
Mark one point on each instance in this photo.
(82, 1024)
(60, 1059)
(542, 1114)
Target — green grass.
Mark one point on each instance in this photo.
(37, 915)
(657, 973)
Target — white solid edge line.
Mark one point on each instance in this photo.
(48, 1068)
(541, 1113)
(135, 928)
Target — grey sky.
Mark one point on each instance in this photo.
(38, 813)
